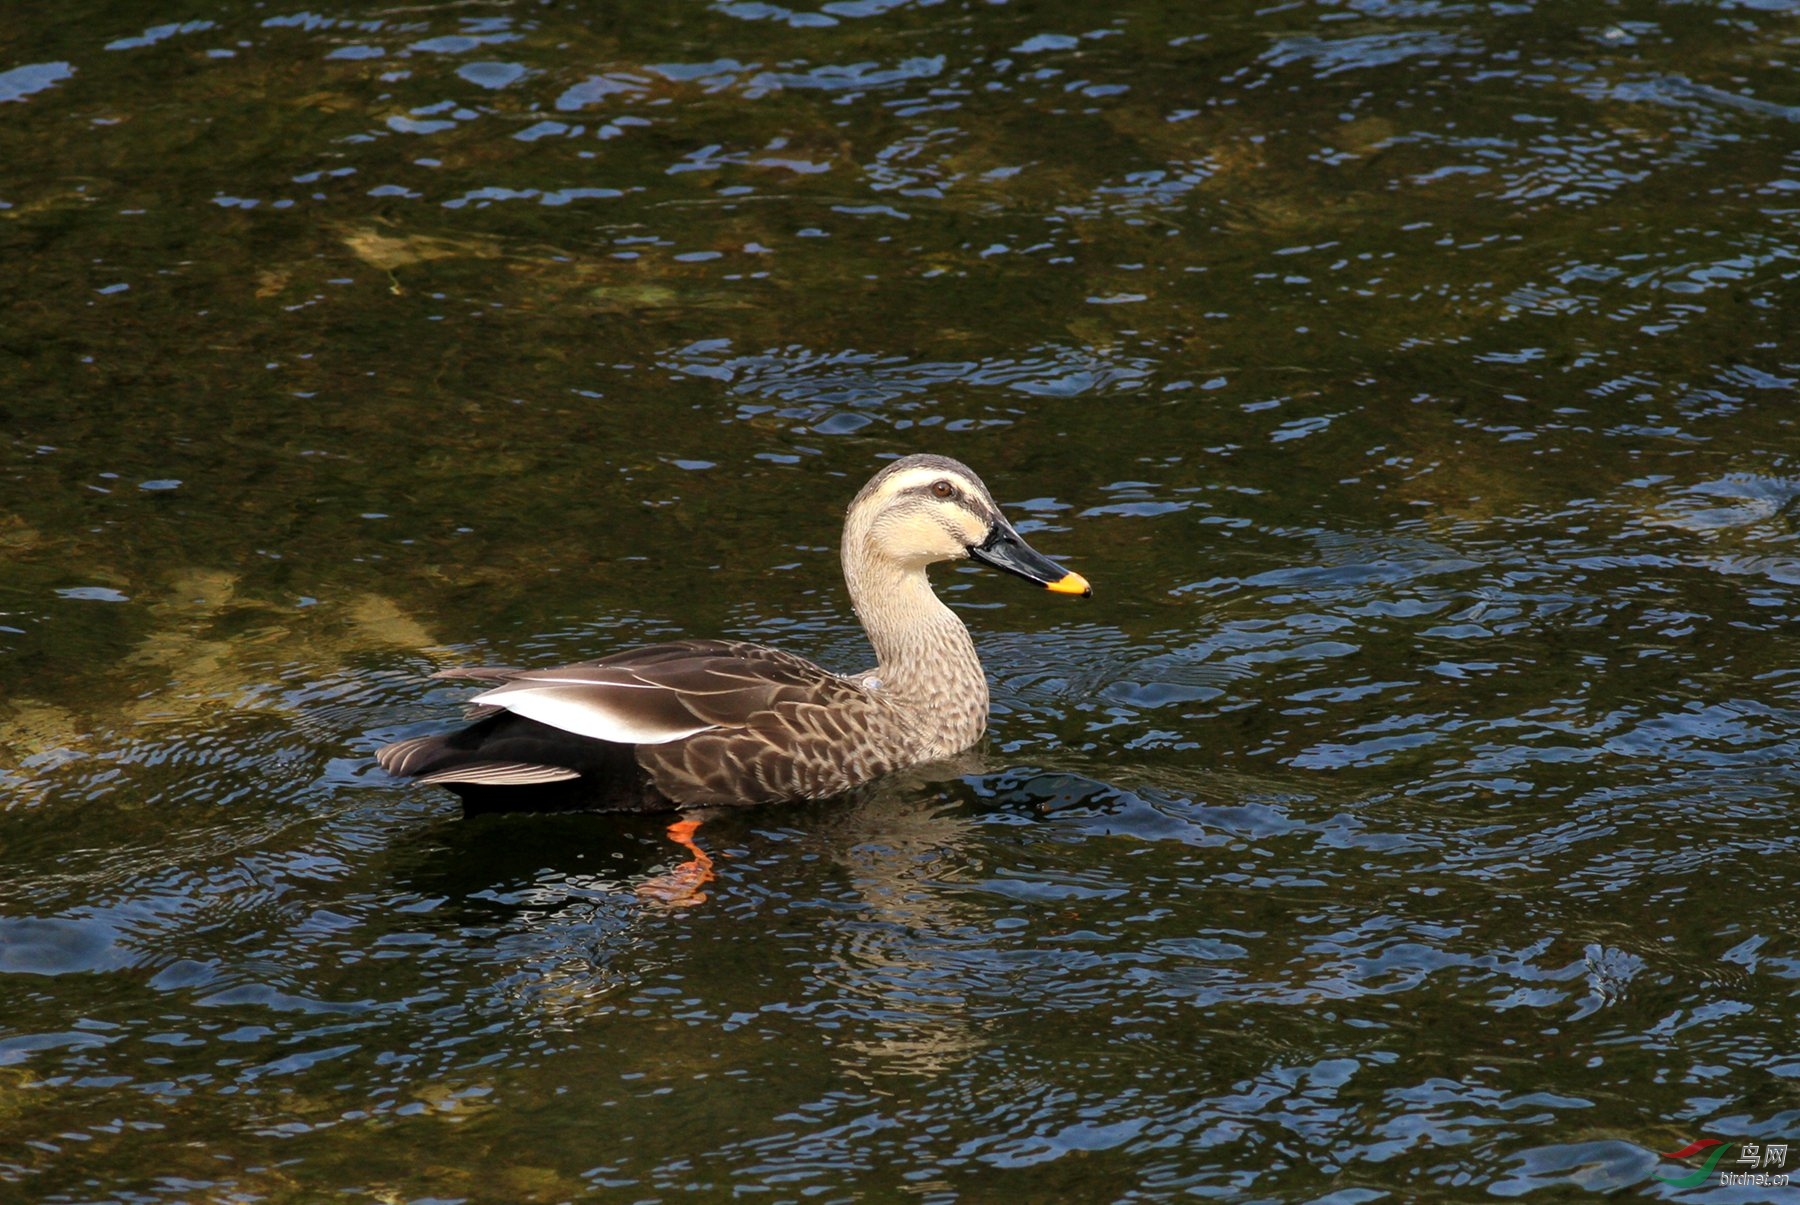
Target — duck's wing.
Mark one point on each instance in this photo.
(662, 693)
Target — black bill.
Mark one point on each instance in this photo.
(1006, 549)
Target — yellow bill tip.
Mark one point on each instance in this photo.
(1070, 583)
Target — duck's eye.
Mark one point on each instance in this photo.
(943, 489)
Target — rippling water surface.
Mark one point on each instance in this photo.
(1411, 812)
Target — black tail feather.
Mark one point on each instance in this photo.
(610, 777)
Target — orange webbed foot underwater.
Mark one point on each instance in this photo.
(681, 886)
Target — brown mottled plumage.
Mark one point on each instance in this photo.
(711, 722)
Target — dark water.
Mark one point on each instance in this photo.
(1411, 813)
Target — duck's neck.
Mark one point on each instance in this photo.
(925, 660)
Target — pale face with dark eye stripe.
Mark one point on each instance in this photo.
(929, 513)
(925, 509)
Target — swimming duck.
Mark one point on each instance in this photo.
(697, 723)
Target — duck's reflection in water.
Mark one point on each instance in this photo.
(853, 912)
(897, 956)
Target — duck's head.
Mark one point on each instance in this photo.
(923, 509)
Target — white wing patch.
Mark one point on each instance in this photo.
(587, 709)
